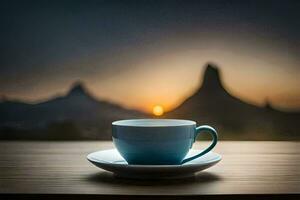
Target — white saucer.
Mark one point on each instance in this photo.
(112, 161)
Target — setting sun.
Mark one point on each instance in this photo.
(158, 110)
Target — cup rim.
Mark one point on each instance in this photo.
(153, 122)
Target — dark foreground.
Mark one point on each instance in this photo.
(59, 170)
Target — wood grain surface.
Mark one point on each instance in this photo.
(59, 169)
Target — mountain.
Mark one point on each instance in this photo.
(235, 119)
(76, 115)
(79, 115)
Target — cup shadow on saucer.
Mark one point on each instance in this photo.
(110, 178)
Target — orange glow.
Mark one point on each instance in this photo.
(158, 110)
(169, 76)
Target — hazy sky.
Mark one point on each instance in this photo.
(143, 53)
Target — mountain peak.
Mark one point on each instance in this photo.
(268, 105)
(78, 88)
(212, 78)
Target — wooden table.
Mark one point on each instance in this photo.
(49, 170)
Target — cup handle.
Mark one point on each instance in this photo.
(214, 135)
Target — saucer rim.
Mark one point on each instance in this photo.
(215, 160)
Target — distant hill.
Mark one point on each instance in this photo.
(77, 115)
(212, 104)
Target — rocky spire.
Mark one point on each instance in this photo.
(212, 78)
(78, 88)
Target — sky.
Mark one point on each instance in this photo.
(145, 53)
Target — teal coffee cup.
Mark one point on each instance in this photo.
(158, 141)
